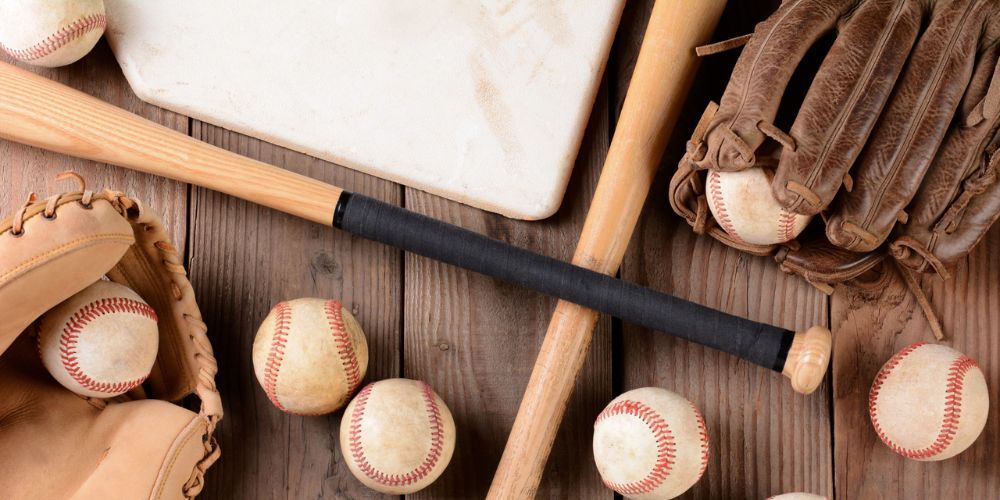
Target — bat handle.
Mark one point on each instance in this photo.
(808, 358)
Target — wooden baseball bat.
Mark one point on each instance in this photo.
(663, 73)
(45, 114)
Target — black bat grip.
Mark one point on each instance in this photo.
(756, 342)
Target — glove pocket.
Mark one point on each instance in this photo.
(687, 198)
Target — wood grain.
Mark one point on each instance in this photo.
(870, 326)
(25, 169)
(243, 259)
(765, 439)
(474, 339)
(655, 96)
(45, 114)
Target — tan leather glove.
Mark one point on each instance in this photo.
(57, 444)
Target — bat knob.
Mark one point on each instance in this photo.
(808, 358)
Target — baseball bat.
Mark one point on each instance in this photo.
(42, 113)
(660, 81)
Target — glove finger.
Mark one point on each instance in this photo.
(761, 76)
(911, 129)
(960, 198)
(844, 102)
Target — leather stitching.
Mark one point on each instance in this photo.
(60, 38)
(703, 434)
(70, 336)
(190, 430)
(95, 238)
(855, 96)
(433, 454)
(345, 348)
(786, 226)
(721, 214)
(952, 404)
(666, 447)
(938, 77)
(753, 67)
(276, 354)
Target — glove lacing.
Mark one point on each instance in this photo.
(30, 208)
(205, 388)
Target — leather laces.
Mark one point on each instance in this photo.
(971, 188)
(30, 208)
(925, 305)
(154, 238)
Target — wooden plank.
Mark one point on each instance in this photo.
(25, 169)
(869, 326)
(243, 259)
(475, 339)
(765, 439)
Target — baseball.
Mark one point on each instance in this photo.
(100, 342)
(397, 436)
(650, 443)
(309, 356)
(929, 402)
(744, 207)
(50, 33)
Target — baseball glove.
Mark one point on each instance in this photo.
(894, 144)
(57, 444)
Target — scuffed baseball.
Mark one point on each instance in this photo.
(929, 402)
(101, 342)
(309, 356)
(50, 33)
(744, 207)
(650, 443)
(397, 436)
(798, 495)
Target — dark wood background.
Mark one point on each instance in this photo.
(474, 339)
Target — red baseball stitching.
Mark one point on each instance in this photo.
(60, 38)
(666, 448)
(345, 348)
(952, 404)
(721, 214)
(276, 355)
(71, 334)
(786, 226)
(430, 461)
(703, 433)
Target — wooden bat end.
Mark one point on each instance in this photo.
(808, 358)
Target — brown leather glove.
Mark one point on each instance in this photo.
(894, 144)
(57, 444)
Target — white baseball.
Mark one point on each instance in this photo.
(101, 342)
(50, 33)
(929, 402)
(744, 207)
(309, 356)
(397, 436)
(650, 443)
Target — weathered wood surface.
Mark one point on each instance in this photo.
(764, 438)
(475, 339)
(24, 169)
(869, 327)
(243, 259)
